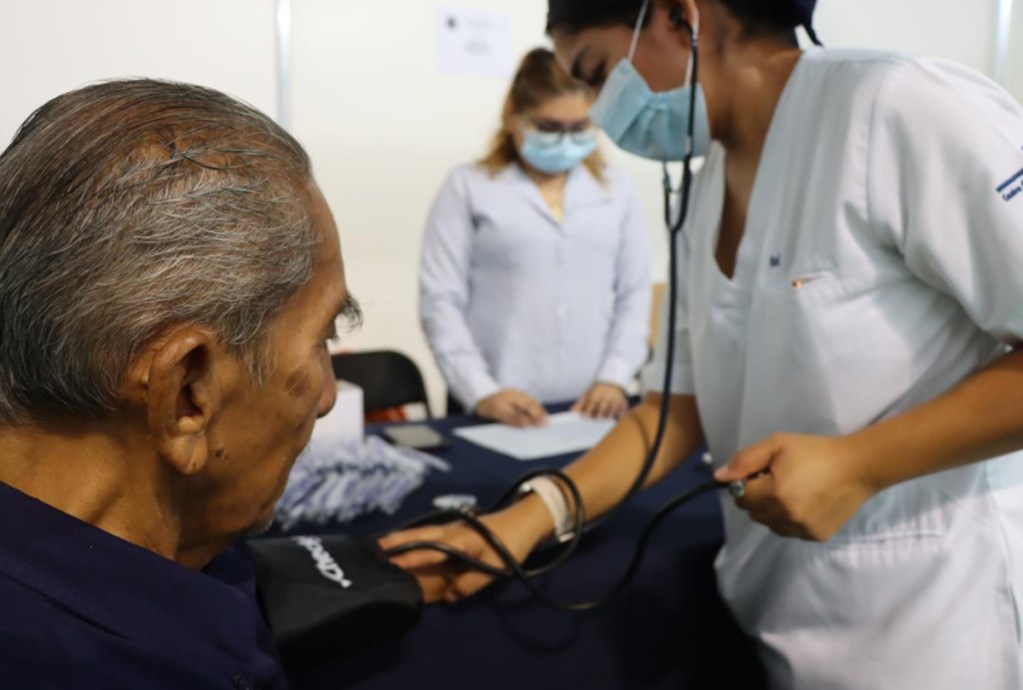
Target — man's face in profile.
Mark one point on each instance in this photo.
(260, 431)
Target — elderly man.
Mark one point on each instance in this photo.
(169, 278)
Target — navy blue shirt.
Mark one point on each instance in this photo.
(83, 609)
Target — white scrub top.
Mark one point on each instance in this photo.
(882, 264)
(511, 297)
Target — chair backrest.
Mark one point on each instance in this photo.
(455, 407)
(388, 379)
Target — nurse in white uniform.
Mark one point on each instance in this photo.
(850, 316)
(535, 278)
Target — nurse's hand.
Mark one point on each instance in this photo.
(811, 488)
(602, 401)
(513, 407)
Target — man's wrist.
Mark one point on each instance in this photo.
(553, 497)
(532, 515)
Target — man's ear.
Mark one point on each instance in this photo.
(182, 396)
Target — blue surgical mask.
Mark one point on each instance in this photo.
(557, 152)
(648, 124)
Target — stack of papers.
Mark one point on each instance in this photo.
(568, 432)
(336, 481)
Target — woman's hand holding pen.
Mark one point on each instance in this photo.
(514, 407)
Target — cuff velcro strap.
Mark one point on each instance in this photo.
(554, 498)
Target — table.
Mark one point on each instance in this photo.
(669, 629)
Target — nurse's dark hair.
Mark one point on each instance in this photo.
(538, 79)
(757, 17)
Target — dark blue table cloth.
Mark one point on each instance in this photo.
(669, 629)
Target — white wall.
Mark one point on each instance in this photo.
(946, 28)
(381, 124)
(48, 47)
(1014, 76)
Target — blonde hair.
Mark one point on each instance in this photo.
(539, 78)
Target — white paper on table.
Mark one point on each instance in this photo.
(567, 432)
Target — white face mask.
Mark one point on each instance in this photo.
(648, 124)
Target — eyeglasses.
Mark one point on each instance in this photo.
(552, 132)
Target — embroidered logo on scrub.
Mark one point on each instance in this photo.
(1012, 188)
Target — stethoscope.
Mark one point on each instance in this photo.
(469, 515)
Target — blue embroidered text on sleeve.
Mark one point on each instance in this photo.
(1012, 188)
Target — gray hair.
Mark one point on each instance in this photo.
(129, 207)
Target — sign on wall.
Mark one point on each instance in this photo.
(472, 42)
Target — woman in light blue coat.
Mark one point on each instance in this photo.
(535, 278)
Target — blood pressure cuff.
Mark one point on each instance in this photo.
(326, 596)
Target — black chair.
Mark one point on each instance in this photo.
(455, 407)
(387, 379)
